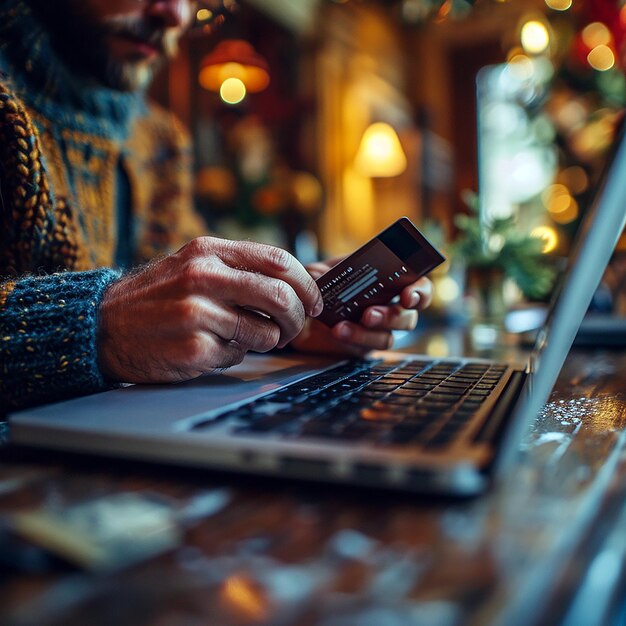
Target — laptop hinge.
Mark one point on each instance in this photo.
(493, 426)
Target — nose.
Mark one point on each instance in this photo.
(173, 13)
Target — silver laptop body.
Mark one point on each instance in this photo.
(195, 423)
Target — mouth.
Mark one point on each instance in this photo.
(147, 49)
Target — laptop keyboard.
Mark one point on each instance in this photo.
(427, 403)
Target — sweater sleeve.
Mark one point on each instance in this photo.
(48, 328)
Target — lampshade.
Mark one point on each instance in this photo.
(380, 153)
(234, 58)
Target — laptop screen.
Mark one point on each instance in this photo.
(597, 237)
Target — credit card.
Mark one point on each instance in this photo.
(376, 272)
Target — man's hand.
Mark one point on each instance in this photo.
(374, 330)
(201, 309)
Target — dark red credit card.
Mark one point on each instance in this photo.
(376, 272)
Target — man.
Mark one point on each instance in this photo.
(93, 178)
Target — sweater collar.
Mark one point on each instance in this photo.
(48, 86)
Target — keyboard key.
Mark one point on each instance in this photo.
(379, 414)
(415, 386)
(400, 400)
(409, 393)
(441, 397)
(478, 393)
(379, 386)
(362, 430)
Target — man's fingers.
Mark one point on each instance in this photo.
(363, 337)
(390, 318)
(208, 353)
(225, 286)
(250, 330)
(319, 268)
(268, 261)
(271, 296)
(417, 295)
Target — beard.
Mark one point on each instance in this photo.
(83, 43)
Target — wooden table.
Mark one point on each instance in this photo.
(546, 546)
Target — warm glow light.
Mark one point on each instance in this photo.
(601, 58)
(575, 178)
(307, 192)
(234, 58)
(244, 598)
(571, 114)
(569, 214)
(203, 15)
(447, 289)
(559, 5)
(562, 207)
(595, 137)
(560, 204)
(549, 237)
(596, 34)
(438, 346)
(233, 91)
(535, 37)
(380, 153)
(555, 196)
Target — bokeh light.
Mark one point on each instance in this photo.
(448, 289)
(601, 58)
(233, 91)
(568, 214)
(203, 15)
(535, 37)
(596, 34)
(559, 5)
(549, 237)
(575, 179)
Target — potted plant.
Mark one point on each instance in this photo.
(496, 250)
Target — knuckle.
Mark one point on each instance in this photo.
(311, 288)
(281, 296)
(185, 313)
(245, 251)
(252, 332)
(200, 248)
(285, 298)
(268, 337)
(191, 275)
(194, 247)
(249, 282)
(239, 334)
(279, 258)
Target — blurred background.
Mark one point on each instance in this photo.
(316, 123)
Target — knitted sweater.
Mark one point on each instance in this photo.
(61, 143)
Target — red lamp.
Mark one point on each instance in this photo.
(234, 58)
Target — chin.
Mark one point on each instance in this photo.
(129, 76)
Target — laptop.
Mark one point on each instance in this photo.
(393, 421)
